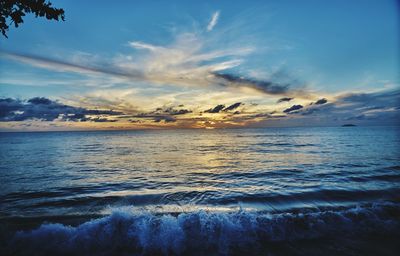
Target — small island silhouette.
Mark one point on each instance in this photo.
(348, 125)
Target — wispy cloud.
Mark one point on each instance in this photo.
(191, 59)
(65, 66)
(213, 21)
(183, 63)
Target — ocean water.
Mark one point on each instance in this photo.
(273, 191)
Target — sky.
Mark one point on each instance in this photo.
(202, 64)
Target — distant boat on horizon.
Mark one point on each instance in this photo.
(348, 125)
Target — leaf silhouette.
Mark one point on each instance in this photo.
(12, 11)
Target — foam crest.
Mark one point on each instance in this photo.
(201, 232)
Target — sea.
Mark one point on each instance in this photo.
(265, 191)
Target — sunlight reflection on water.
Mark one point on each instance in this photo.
(263, 169)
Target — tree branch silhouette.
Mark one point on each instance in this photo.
(16, 9)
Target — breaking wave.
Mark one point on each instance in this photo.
(205, 233)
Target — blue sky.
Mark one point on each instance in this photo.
(179, 53)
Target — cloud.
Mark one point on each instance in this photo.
(65, 66)
(158, 115)
(233, 106)
(390, 97)
(173, 111)
(162, 111)
(321, 101)
(381, 98)
(213, 21)
(144, 46)
(102, 120)
(167, 119)
(264, 86)
(293, 108)
(46, 110)
(285, 99)
(40, 100)
(7, 106)
(189, 60)
(359, 108)
(272, 87)
(216, 109)
(370, 108)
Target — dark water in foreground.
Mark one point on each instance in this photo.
(287, 191)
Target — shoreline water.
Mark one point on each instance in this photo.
(145, 233)
(265, 191)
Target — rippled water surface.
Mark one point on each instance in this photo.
(216, 172)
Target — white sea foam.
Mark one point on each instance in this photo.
(201, 232)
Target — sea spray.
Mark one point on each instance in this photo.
(201, 232)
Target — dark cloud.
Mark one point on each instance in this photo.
(152, 116)
(169, 111)
(101, 120)
(284, 99)
(376, 108)
(101, 112)
(391, 97)
(370, 102)
(216, 109)
(167, 119)
(173, 111)
(321, 101)
(382, 107)
(46, 110)
(233, 106)
(159, 114)
(35, 108)
(8, 106)
(40, 100)
(268, 87)
(293, 108)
